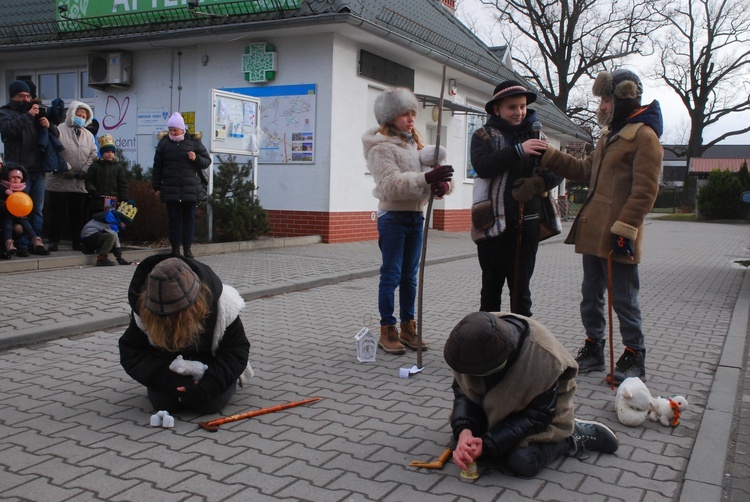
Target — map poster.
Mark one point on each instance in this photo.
(287, 122)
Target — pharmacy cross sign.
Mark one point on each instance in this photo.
(259, 62)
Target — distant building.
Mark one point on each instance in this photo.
(674, 165)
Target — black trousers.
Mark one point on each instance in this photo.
(171, 402)
(528, 461)
(72, 203)
(497, 258)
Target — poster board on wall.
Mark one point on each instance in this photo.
(287, 116)
(235, 123)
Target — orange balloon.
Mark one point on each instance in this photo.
(19, 204)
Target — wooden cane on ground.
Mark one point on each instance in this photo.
(611, 329)
(213, 425)
(427, 227)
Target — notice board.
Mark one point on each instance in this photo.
(287, 118)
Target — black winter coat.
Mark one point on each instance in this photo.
(149, 365)
(176, 176)
(20, 136)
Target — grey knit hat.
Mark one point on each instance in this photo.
(481, 343)
(171, 287)
(394, 102)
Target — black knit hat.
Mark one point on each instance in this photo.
(479, 344)
(506, 89)
(172, 287)
(18, 86)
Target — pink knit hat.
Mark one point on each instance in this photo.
(176, 121)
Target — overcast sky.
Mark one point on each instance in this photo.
(674, 113)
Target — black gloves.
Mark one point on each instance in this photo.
(622, 246)
(440, 173)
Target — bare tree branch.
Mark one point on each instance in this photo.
(705, 59)
(558, 44)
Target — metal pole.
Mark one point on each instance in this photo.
(427, 227)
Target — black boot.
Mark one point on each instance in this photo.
(591, 356)
(630, 364)
(118, 254)
(175, 249)
(186, 251)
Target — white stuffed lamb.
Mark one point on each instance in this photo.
(184, 367)
(632, 402)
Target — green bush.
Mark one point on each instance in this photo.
(720, 197)
(150, 223)
(237, 215)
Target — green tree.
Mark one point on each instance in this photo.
(237, 213)
(720, 197)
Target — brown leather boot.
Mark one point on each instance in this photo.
(389, 340)
(408, 335)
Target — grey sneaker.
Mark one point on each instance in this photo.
(592, 436)
(591, 356)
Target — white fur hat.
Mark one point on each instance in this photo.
(394, 102)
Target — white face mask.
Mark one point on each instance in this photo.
(79, 122)
(177, 138)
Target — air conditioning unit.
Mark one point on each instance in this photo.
(109, 69)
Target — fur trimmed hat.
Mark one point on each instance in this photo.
(507, 89)
(172, 287)
(394, 102)
(620, 84)
(480, 344)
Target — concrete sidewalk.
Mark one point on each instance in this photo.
(74, 426)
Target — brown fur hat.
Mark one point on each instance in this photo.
(620, 84)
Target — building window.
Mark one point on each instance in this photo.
(385, 71)
(57, 85)
(86, 91)
(473, 122)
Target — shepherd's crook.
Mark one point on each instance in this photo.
(213, 425)
(611, 329)
(427, 226)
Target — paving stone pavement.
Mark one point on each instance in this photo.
(74, 426)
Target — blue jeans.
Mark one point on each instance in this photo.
(35, 184)
(400, 242)
(625, 286)
(181, 217)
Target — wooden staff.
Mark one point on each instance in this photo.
(427, 226)
(611, 329)
(435, 464)
(213, 425)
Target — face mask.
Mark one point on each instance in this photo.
(79, 122)
(181, 137)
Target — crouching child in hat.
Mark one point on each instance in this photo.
(181, 308)
(101, 234)
(513, 396)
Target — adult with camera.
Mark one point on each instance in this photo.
(20, 125)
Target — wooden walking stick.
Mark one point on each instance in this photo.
(611, 329)
(427, 227)
(435, 464)
(213, 425)
(517, 265)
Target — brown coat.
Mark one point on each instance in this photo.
(623, 176)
